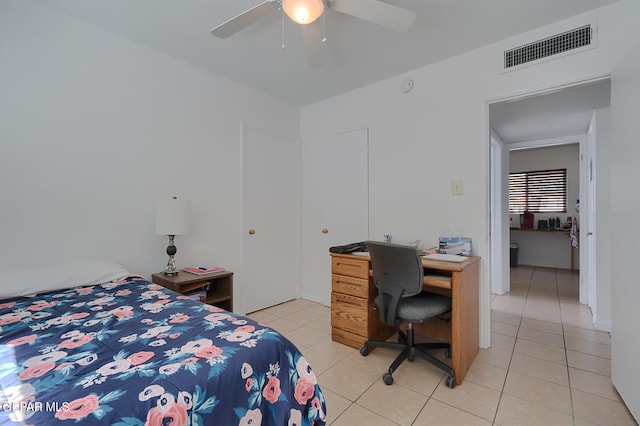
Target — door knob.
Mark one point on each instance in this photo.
(325, 231)
(589, 233)
(252, 231)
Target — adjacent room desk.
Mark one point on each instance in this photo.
(355, 319)
(549, 232)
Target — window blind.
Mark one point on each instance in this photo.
(540, 191)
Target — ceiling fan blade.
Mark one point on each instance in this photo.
(312, 34)
(394, 17)
(245, 19)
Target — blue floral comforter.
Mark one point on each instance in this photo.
(130, 353)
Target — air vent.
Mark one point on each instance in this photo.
(568, 41)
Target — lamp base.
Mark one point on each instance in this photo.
(171, 264)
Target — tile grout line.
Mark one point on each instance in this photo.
(513, 349)
(566, 356)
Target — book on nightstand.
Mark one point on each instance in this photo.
(202, 270)
(198, 296)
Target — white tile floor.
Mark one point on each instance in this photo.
(546, 365)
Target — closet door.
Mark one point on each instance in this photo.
(338, 209)
(271, 219)
(345, 189)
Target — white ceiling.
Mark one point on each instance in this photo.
(553, 115)
(357, 52)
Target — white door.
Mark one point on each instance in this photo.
(588, 236)
(345, 188)
(341, 206)
(500, 276)
(271, 219)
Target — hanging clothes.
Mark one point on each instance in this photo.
(573, 234)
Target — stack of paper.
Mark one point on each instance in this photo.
(201, 270)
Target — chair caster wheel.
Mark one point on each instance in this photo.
(447, 353)
(388, 379)
(450, 382)
(364, 351)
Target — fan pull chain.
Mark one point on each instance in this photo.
(282, 27)
(324, 26)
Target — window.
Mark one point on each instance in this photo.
(541, 191)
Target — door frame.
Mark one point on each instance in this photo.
(499, 193)
(489, 178)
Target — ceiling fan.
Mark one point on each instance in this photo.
(307, 12)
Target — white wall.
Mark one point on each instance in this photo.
(95, 130)
(625, 210)
(421, 140)
(547, 249)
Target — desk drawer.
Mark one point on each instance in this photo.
(351, 267)
(346, 338)
(349, 285)
(349, 313)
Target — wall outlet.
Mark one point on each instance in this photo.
(456, 187)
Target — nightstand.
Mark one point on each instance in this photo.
(219, 286)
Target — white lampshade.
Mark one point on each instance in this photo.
(303, 11)
(172, 217)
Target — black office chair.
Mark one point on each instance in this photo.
(398, 275)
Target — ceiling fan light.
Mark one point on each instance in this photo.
(303, 11)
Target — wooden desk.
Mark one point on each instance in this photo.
(355, 319)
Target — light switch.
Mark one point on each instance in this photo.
(456, 187)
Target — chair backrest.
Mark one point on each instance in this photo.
(397, 273)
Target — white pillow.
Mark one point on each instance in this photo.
(41, 280)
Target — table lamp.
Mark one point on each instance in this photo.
(172, 217)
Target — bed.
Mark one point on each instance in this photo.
(128, 352)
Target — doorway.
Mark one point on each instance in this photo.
(549, 117)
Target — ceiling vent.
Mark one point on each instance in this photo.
(568, 42)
